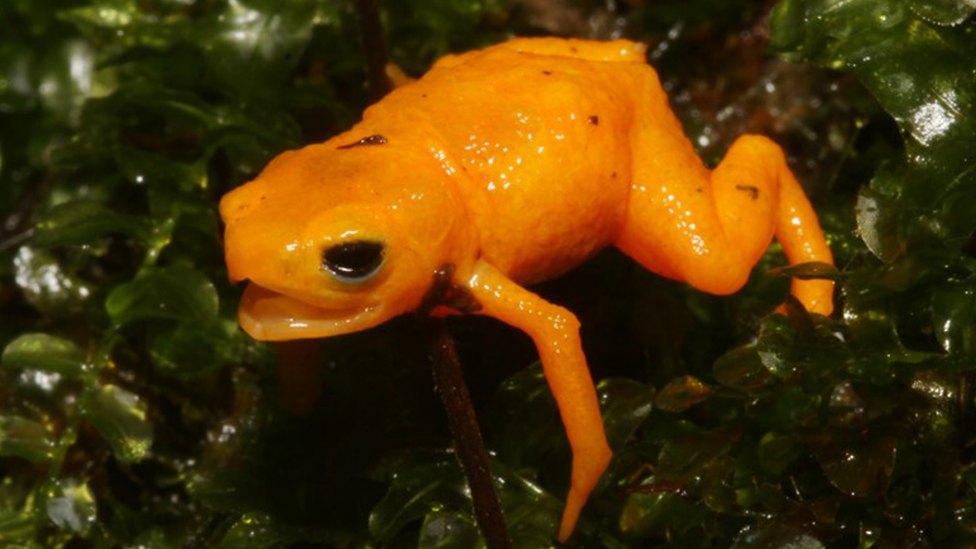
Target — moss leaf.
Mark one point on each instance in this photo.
(682, 393)
(175, 293)
(80, 222)
(120, 416)
(43, 352)
(24, 438)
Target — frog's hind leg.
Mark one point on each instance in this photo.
(710, 228)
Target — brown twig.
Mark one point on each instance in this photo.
(468, 444)
(374, 47)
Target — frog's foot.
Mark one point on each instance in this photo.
(589, 463)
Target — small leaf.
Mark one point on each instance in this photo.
(876, 224)
(532, 514)
(120, 417)
(762, 496)
(414, 490)
(777, 340)
(252, 531)
(72, 507)
(943, 12)
(449, 530)
(192, 349)
(791, 406)
(812, 270)
(522, 422)
(625, 404)
(43, 352)
(783, 536)
(777, 451)
(939, 422)
(715, 485)
(684, 459)
(857, 462)
(26, 439)
(16, 527)
(82, 221)
(682, 393)
(954, 316)
(658, 513)
(741, 369)
(176, 293)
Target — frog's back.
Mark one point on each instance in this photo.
(620, 51)
(538, 131)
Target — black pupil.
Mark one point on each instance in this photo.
(356, 259)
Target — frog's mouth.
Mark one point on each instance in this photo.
(267, 315)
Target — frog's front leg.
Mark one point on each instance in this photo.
(555, 332)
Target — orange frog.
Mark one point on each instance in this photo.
(500, 168)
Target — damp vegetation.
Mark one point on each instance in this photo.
(135, 413)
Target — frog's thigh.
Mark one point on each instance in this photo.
(710, 228)
(555, 332)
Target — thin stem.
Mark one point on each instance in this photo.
(468, 444)
(374, 47)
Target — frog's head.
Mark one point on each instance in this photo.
(338, 239)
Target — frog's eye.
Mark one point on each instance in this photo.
(353, 262)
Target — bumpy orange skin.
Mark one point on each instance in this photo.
(513, 164)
